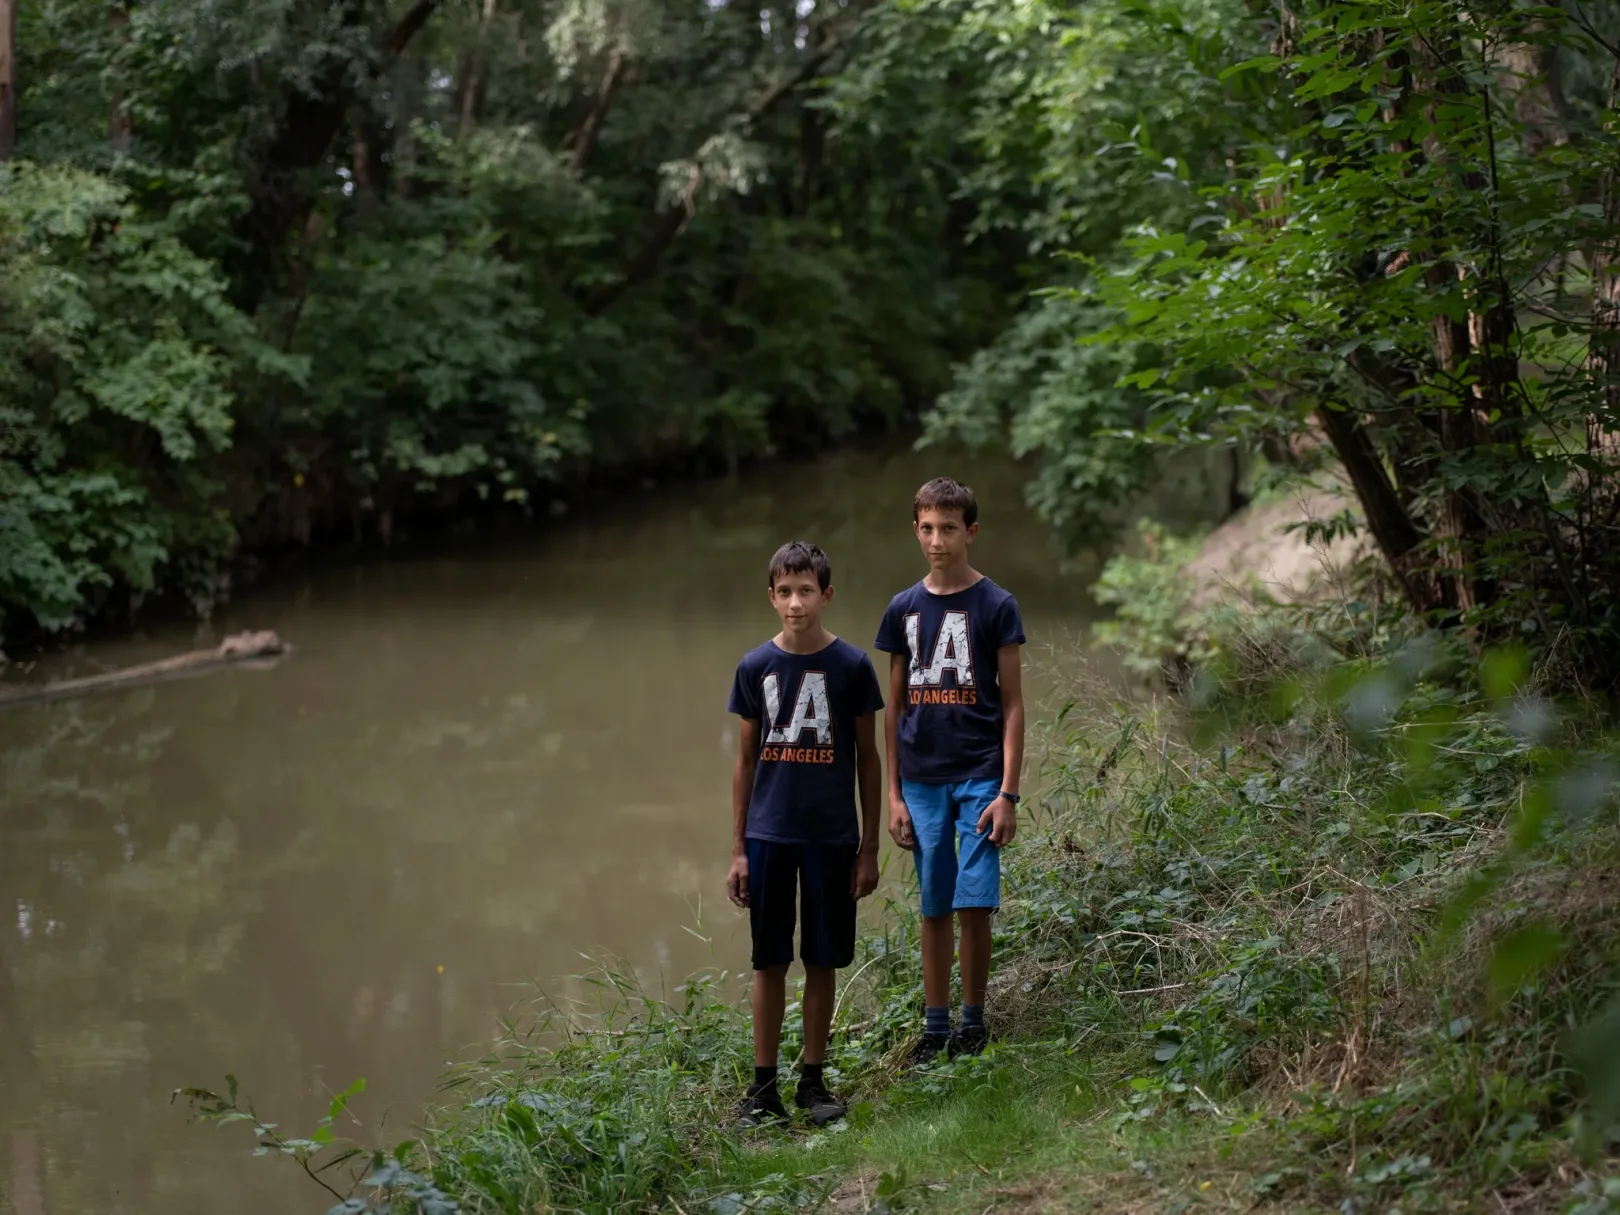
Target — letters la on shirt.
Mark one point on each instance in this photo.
(952, 653)
(806, 706)
(952, 727)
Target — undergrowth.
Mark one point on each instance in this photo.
(1337, 936)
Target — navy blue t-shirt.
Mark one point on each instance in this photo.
(951, 724)
(806, 706)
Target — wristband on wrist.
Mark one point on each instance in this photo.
(1012, 797)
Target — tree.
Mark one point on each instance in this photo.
(8, 78)
(1388, 276)
(1387, 226)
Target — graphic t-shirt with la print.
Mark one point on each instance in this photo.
(951, 724)
(806, 706)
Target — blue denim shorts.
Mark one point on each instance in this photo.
(942, 815)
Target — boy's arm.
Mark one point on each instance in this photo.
(869, 779)
(1001, 816)
(1010, 674)
(899, 816)
(742, 791)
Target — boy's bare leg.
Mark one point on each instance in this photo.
(770, 1002)
(938, 952)
(975, 954)
(820, 985)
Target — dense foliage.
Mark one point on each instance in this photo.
(312, 266)
(284, 269)
(1381, 233)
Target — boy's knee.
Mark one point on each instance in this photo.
(823, 973)
(937, 920)
(772, 974)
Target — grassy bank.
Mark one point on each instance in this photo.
(1333, 933)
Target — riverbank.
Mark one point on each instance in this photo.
(486, 778)
(1318, 945)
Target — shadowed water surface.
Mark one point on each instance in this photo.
(474, 769)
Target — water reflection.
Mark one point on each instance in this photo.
(474, 769)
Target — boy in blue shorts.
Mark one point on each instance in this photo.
(808, 702)
(955, 737)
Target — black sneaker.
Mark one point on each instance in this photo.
(816, 1101)
(969, 1040)
(761, 1109)
(929, 1047)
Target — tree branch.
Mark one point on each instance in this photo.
(405, 29)
(671, 220)
(585, 138)
(469, 91)
(1397, 536)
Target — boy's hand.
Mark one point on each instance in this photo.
(900, 825)
(737, 881)
(863, 879)
(1001, 816)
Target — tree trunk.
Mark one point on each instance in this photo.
(370, 145)
(365, 186)
(1236, 498)
(812, 151)
(1473, 347)
(1603, 348)
(120, 126)
(585, 138)
(402, 157)
(469, 92)
(1397, 536)
(8, 79)
(278, 194)
(1537, 89)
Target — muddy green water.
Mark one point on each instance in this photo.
(476, 769)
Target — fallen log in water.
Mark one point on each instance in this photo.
(240, 649)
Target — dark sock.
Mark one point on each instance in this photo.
(810, 1074)
(764, 1081)
(973, 1016)
(937, 1022)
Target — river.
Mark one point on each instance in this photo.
(475, 770)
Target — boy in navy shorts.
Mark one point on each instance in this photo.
(808, 702)
(955, 736)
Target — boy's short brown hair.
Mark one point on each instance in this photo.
(946, 493)
(799, 557)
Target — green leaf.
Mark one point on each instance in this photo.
(1595, 1052)
(1537, 805)
(1503, 671)
(340, 1101)
(1521, 955)
(1259, 63)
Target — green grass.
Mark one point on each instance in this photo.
(959, 1126)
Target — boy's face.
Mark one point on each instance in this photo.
(944, 537)
(799, 600)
